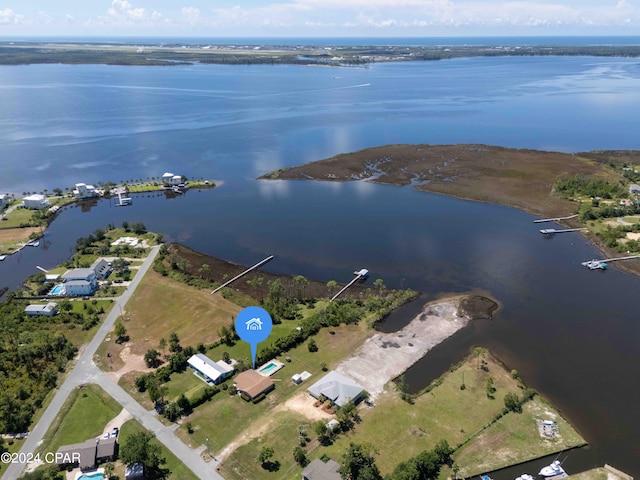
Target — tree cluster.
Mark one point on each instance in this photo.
(31, 357)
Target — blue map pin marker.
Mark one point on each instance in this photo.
(253, 325)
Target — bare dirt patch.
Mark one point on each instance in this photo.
(129, 362)
(303, 403)
(384, 356)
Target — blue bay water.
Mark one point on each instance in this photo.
(571, 333)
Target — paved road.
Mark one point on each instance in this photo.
(85, 371)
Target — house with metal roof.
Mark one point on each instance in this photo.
(319, 470)
(208, 370)
(337, 388)
(39, 310)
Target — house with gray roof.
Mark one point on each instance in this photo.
(337, 388)
(40, 310)
(319, 470)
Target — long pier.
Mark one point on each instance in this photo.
(602, 264)
(554, 219)
(262, 262)
(358, 276)
(553, 231)
(620, 258)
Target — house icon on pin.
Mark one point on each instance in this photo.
(254, 324)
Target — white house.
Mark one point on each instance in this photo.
(80, 281)
(36, 202)
(48, 310)
(208, 370)
(5, 199)
(169, 179)
(83, 191)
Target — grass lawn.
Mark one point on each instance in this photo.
(177, 469)
(10, 237)
(224, 418)
(83, 416)
(18, 217)
(515, 438)
(161, 306)
(282, 434)
(398, 430)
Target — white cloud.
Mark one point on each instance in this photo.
(9, 17)
(191, 14)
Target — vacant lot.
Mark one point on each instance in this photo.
(161, 306)
(83, 416)
(9, 237)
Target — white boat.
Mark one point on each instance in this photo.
(33, 243)
(595, 264)
(553, 470)
(2, 257)
(525, 476)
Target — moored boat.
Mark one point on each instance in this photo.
(553, 470)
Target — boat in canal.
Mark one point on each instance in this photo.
(554, 469)
(595, 265)
(525, 476)
(2, 257)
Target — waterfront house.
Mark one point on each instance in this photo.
(39, 310)
(171, 180)
(83, 191)
(102, 268)
(337, 388)
(80, 281)
(5, 200)
(253, 386)
(208, 370)
(35, 202)
(319, 470)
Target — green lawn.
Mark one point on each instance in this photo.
(515, 438)
(281, 435)
(83, 416)
(225, 417)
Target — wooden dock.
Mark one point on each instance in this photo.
(358, 275)
(602, 264)
(631, 257)
(555, 219)
(553, 231)
(262, 262)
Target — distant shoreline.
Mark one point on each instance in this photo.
(96, 52)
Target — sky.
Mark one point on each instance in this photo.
(318, 18)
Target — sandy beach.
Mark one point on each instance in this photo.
(384, 356)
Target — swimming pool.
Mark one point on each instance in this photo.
(270, 368)
(57, 290)
(97, 475)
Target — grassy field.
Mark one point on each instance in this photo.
(245, 464)
(83, 416)
(515, 438)
(161, 306)
(10, 237)
(398, 430)
(224, 418)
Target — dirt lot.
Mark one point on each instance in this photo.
(384, 356)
